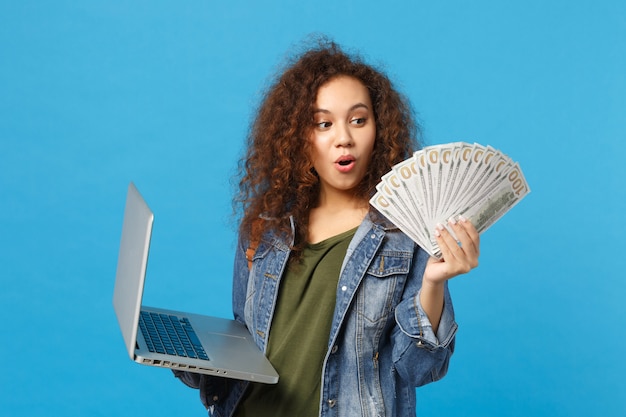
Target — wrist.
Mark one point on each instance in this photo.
(432, 289)
(434, 284)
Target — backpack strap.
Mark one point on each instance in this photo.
(255, 238)
(250, 253)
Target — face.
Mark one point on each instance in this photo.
(343, 135)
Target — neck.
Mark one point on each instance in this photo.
(334, 214)
(338, 201)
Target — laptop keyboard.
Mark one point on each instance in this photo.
(169, 334)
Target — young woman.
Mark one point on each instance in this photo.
(350, 311)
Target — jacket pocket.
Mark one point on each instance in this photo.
(382, 286)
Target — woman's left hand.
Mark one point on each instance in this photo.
(458, 256)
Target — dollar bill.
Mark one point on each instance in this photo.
(444, 181)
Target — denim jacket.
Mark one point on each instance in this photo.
(381, 343)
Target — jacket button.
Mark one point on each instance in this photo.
(334, 349)
(331, 403)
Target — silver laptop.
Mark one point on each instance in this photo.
(173, 339)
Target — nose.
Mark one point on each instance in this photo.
(344, 136)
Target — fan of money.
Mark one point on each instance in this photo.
(444, 181)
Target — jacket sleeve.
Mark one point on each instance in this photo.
(214, 391)
(240, 281)
(420, 355)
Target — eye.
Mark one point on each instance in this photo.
(323, 125)
(358, 120)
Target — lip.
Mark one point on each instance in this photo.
(345, 163)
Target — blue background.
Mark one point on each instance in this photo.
(94, 94)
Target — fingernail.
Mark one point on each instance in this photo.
(437, 234)
(452, 220)
(462, 218)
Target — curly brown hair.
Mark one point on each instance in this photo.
(276, 177)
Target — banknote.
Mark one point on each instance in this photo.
(446, 181)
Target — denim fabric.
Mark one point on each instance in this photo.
(381, 344)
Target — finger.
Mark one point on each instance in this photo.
(471, 233)
(468, 238)
(455, 260)
(450, 247)
(469, 228)
(465, 233)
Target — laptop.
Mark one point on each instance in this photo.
(174, 339)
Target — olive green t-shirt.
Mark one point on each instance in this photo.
(299, 333)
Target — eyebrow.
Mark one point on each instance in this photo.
(352, 108)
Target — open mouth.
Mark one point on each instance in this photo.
(345, 160)
(345, 163)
